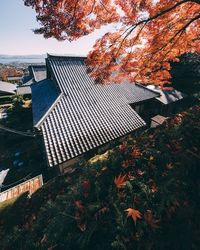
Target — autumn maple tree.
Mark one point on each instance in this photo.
(6, 71)
(146, 34)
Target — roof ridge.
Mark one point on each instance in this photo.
(23, 86)
(151, 90)
(40, 81)
(66, 56)
(37, 65)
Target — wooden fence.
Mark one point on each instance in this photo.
(30, 186)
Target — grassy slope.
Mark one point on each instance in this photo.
(85, 209)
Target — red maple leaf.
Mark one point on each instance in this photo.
(120, 181)
(134, 214)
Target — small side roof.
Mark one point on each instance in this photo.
(8, 87)
(23, 90)
(12, 78)
(38, 72)
(26, 79)
(45, 94)
(159, 119)
(134, 93)
(167, 94)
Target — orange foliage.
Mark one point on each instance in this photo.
(9, 71)
(146, 36)
(134, 214)
(120, 181)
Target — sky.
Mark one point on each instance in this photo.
(17, 38)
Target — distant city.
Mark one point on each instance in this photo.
(13, 59)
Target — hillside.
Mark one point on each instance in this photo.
(142, 194)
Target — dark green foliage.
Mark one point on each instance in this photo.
(85, 209)
(187, 67)
(186, 74)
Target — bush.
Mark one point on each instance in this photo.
(143, 194)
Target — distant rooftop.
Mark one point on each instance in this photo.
(14, 78)
(24, 90)
(167, 94)
(38, 72)
(7, 87)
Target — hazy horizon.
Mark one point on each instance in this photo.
(13, 55)
(43, 54)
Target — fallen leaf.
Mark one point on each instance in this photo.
(123, 147)
(148, 216)
(140, 172)
(44, 239)
(151, 158)
(82, 227)
(86, 187)
(134, 214)
(101, 212)
(136, 153)
(79, 205)
(128, 163)
(120, 181)
(169, 166)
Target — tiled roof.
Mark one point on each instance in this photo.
(14, 78)
(8, 87)
(159, 119)
(24, 90)
(39, 72)
(167, 95)
(26, 79)
(36, 73)
(84, 115)
(45, 94)
(25, 87)
(134, 93)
